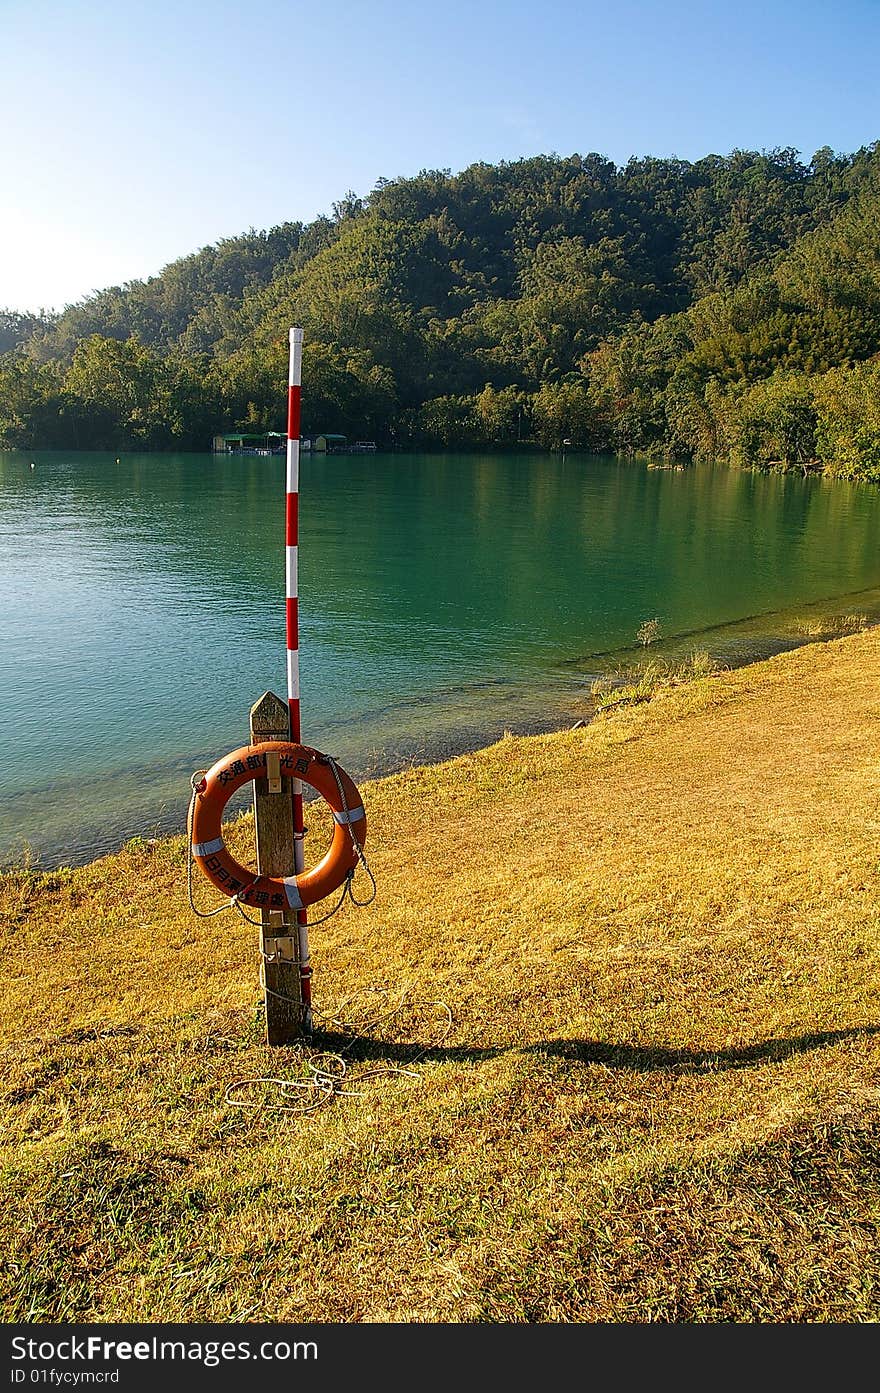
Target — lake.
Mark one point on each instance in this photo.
(443, 599)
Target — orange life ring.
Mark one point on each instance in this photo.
(265, 891)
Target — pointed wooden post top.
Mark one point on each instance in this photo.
(270, 718)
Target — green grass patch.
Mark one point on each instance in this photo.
(611, 1037)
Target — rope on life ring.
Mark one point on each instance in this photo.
(321, 773)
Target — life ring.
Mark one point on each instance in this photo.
(320, 772)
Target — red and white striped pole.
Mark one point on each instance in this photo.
(294, 380)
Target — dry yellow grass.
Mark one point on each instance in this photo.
(659, 938)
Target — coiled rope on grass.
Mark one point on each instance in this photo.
(328, 1075)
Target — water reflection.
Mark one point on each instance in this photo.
(144, 611)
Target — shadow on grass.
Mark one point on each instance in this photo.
(635, 1058)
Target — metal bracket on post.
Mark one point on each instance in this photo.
(273, 771)
(281, 949)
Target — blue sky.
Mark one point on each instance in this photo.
(134, 134)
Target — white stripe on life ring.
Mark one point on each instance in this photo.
(353, 815)
(208, 848)
(291, 889)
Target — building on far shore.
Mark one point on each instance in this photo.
(330, 444)
(274, 442)
(270, 442)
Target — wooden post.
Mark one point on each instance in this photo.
(273, 815)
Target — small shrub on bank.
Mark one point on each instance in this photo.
(631, 686)
(649, 632)
(832, 626)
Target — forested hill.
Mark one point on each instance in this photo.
(728, 308)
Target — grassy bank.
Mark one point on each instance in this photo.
(629, 1062)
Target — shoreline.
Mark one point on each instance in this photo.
(657, 461)
(578, 710)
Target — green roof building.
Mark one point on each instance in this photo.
(269, 442)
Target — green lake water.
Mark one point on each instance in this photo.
(444, 599)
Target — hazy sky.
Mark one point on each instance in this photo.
(135, 133)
